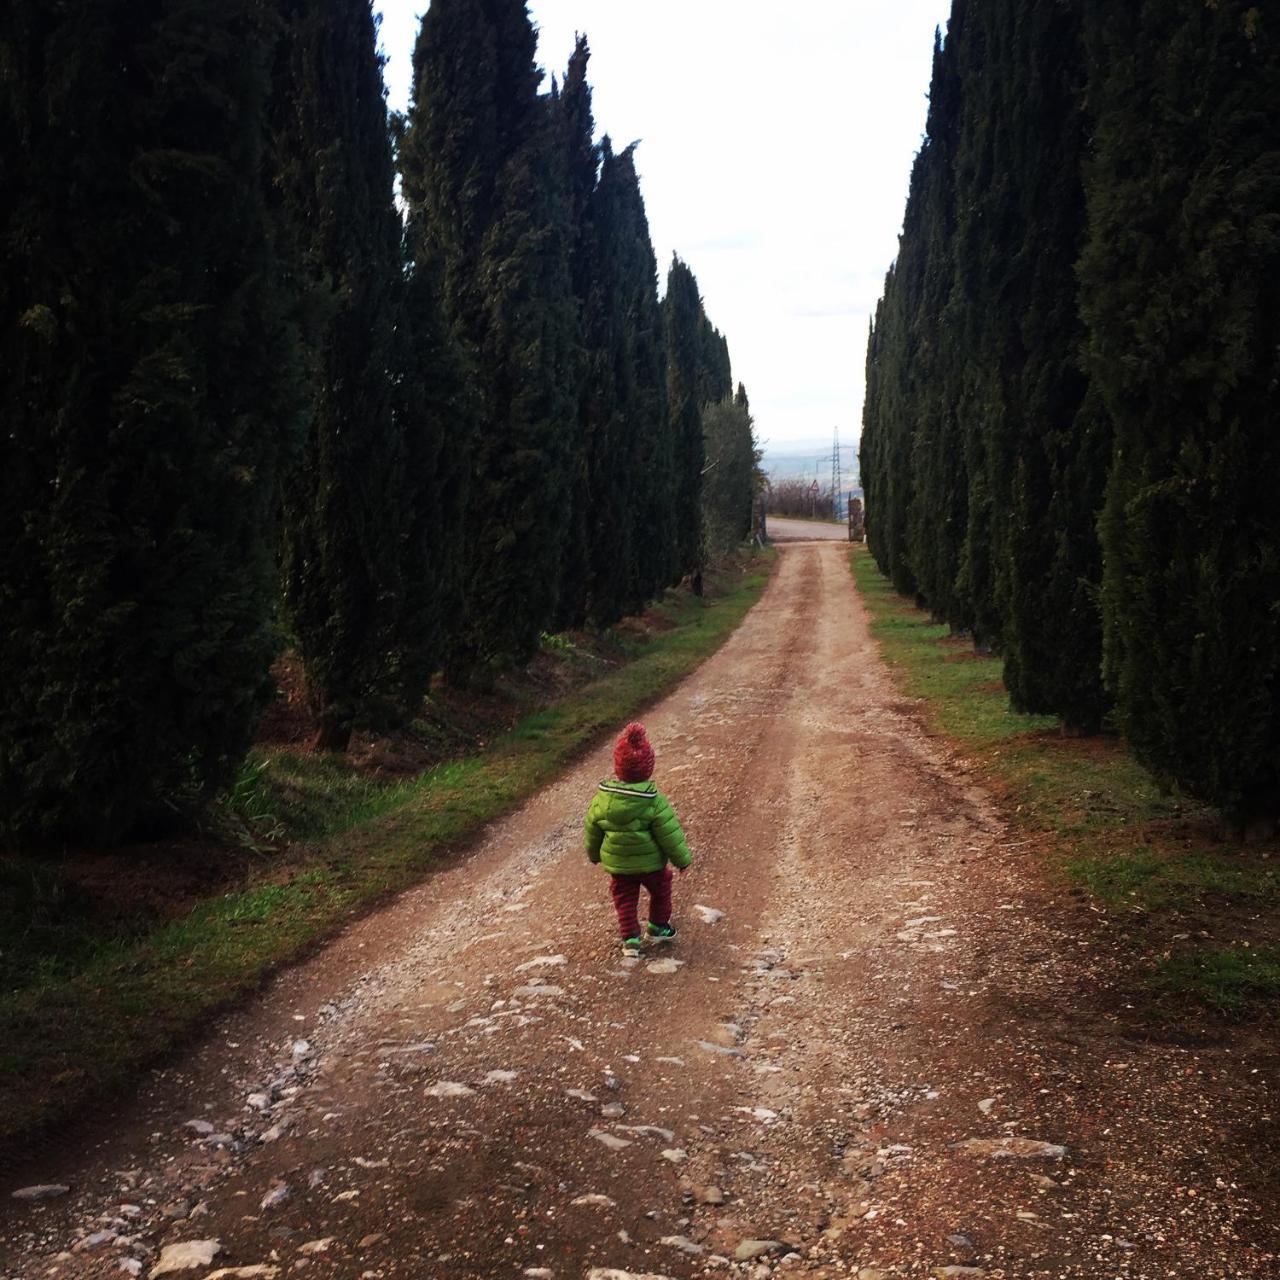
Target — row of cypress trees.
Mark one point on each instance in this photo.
(251, 399)
(1073, 373)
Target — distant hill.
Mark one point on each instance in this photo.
(790, 458)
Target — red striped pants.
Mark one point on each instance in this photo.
(626, 897)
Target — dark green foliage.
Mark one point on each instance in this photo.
(628, 449)
(732, 471)
(148, 389)
(688, 346)
(352, 536)
(484, 179)
(579, 157)
(1086, 306)
(1181, 288)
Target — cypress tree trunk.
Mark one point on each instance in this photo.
(149, 392)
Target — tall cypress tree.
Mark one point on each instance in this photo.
(349, 503)
(938, 510)
(686, 347)
(1052, 627)
(1181, 289)
(483, 180)
(635, 360)
(579, 157)
(149, 391)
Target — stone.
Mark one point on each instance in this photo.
(200, 1127)
(538, 1273)
(612, 1141)
(612, 1273)
(677, 1155)
(190, 1255)
(94, 1240)
(750, 1250)
(374, 1237)
(1011, 1149)
(594, 1200)
(664, 966)
(258, 1101)
(258, 1271)
(724, 1050)
(130, 1266)
(448, 1089)
(500, 1077)
(684, 1244)
(613, 1111)
(276, 1196)
(316, 1246)
(583, 1095)
(648, 1130)
(945, 1273)
(301, 1048)
(710, 915)
(708, 1195)
(873, 1273)
(535, 990)
(542, 962)
(41, 1191)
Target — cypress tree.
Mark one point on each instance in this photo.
(482, 176)
(580, 160)
(1181, 282)
(938, 505)
(729, 482)
(687, 346)
(349, 502)
(1052, 627)
(149, 391)
(636, 362)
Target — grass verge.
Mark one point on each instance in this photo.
(1199, 911)
(89, 995)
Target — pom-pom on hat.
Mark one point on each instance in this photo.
(633, 755)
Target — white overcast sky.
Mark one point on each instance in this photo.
(776, 140)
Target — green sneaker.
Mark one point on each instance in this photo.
(631, 948)
(660, 932)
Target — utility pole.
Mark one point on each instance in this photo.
(835, 476)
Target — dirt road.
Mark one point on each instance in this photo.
(783, 530)
(871, 1052)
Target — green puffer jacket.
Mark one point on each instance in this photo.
(631, 829)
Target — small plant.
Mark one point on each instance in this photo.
(249, 805)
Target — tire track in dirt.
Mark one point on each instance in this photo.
(473, 1083)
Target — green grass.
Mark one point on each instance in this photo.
(1106, 825)
(85, 1002)
(1234, 982)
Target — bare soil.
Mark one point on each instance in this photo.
(891, 1054)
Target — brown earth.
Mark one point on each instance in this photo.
(891, 979)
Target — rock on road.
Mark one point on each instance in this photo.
(865, 1056)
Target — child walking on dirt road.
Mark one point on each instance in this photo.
(632, 831)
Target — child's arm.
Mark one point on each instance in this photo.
(666, 832)
(592, 833)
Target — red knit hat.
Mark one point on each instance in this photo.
(633, 755)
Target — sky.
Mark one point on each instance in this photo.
(776, 142)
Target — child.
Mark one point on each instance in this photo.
(632, 830)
